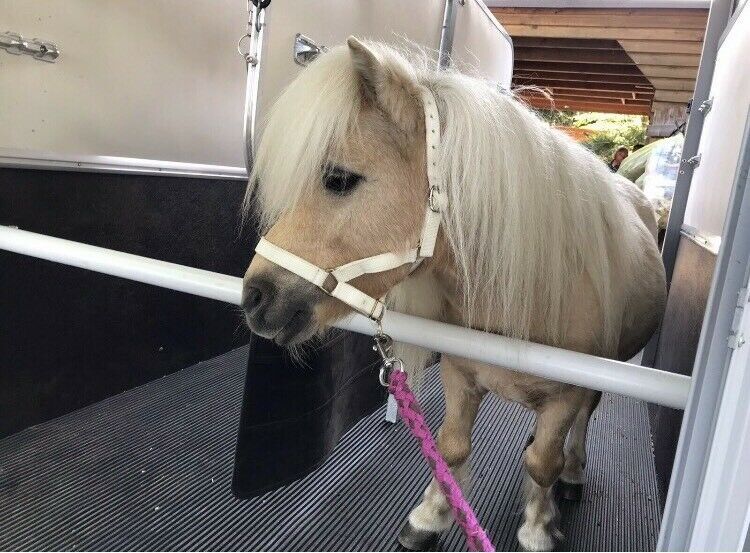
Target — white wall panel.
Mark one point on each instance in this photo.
(162, 79)
(135, 78)
(481, 45)
(722, 133)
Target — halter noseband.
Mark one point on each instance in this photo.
(335, 282)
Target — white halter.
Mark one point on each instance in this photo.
(335, 282)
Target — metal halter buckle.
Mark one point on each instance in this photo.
(432, 202)
(330, 283)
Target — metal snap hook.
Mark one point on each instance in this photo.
(394, 365)
(383, 345)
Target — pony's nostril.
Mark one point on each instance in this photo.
(252, 298)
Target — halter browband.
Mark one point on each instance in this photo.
(335, 282)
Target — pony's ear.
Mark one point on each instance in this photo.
(387, 83)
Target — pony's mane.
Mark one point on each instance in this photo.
(529, 210)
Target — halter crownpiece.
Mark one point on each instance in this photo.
(335, 282)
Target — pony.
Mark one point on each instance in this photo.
(539, 241)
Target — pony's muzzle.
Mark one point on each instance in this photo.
(278, 307)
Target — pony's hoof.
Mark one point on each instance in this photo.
(414, 539)
(539, 537)
(569, 491)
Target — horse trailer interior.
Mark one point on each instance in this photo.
(137, 411)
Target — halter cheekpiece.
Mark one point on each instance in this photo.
(335, 282)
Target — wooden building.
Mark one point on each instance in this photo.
(631, 56)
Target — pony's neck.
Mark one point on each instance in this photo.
(436, 290)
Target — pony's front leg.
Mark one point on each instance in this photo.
(572, 478)
(433, 514)
(544, 460)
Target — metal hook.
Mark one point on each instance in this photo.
(384, 347)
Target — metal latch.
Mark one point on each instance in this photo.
(706, 105)
(736, 338)
(736, 341)
(306, 50)
(43, 50)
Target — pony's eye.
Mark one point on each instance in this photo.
(340, 181)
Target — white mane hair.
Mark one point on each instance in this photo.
(529, 211)
(296, 143)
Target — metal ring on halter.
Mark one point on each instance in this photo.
(432, 201)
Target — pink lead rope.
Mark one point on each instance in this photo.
(411, 414)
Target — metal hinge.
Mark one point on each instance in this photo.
(736, 338)
(706, 105)
(694, 161)
(43, 50)
(306, 50)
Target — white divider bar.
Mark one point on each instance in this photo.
(548, 362)
(133, 267)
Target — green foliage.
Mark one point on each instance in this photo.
(612, 131)
(558, 118)
(603, 145)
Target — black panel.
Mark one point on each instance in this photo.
(678, 342)
(294, 412)
(70, 337)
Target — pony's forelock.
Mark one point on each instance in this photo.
(311, 118)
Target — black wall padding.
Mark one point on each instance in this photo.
(70, 337)
(678, 342)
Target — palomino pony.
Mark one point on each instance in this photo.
(539, 241)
